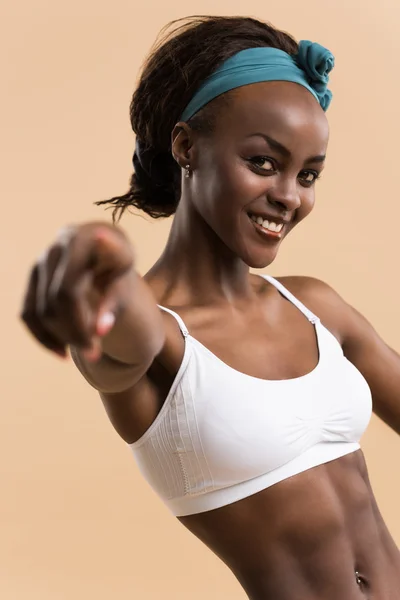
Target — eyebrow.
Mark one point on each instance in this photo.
(320, 158)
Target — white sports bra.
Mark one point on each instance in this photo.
(222, 435)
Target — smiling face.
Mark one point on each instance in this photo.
(254, 176)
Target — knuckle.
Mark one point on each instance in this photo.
(65, 234)
(66, 295)
(42, 258)
(27, 316)
(58, 304)
(49, 310)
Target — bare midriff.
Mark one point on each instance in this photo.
(316, 535)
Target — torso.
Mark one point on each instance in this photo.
(307, 536)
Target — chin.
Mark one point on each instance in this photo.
(259, 261)
(258, 254)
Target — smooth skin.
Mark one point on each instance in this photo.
(303, 538)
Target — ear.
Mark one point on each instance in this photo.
(182, 139)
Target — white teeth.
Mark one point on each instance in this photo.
(269, 225)
(274, 227)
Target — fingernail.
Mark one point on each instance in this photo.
(106, 321)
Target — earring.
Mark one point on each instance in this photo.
(187, 171)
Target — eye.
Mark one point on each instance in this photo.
(309, 177)
(263, 163)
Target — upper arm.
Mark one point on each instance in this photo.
(377, 361)
(133, 396)
(362, 346)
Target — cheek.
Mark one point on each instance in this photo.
(307, 202)
(225, 187)
(237, 187)
(242, 184)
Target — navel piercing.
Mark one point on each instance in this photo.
(187, 171)
(359, 579)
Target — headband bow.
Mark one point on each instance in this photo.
(317, 62)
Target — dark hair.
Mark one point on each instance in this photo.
(185, 54)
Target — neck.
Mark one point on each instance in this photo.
(196, 267)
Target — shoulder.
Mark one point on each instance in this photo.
(319, 297)
(310, 288)
(361, 343)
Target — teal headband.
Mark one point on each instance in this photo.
(309, 68)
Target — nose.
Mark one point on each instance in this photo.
(284, 194)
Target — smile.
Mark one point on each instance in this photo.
(269, 228)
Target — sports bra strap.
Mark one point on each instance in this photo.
(285, 292)
(181, 324)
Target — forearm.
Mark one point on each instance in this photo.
(130, 347)
(138, 332)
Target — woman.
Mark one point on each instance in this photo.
(242, 397)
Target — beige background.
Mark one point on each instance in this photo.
(76, 519)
